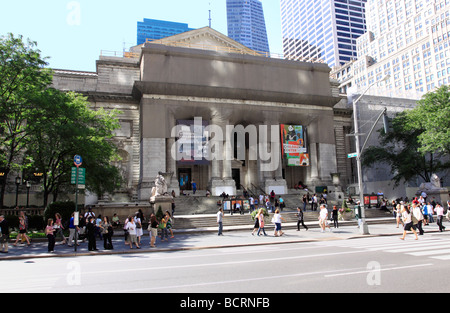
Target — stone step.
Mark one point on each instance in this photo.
(210, 220)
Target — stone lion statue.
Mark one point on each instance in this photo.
(435, 183)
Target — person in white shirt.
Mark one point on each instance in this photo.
(407, 219)
(220, 221)
(323, 218)
(440, 216)
(417, 212)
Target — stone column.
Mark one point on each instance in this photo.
(171, 162)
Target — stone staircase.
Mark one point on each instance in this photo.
(205, 221)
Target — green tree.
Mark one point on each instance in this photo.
(22, 76)
(63, 125)
(400, 150)
(432, 116)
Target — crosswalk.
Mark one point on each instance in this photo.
(434, 248)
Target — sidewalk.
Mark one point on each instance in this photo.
(207, 238)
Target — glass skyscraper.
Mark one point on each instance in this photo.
(322, 30)
(157, 29)
(246, 24)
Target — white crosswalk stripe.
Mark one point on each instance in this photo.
(433, 248)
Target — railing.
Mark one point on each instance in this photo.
(28, 212)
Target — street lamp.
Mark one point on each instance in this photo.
(18, 181)
(28, 193)
(364, 229)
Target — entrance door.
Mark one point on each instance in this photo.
(185, 178)
(236, 175)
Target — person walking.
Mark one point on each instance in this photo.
(334, 216)
(430, 211)
(49, 232)
(398, 214)
(107, 233)
(260, 217)
(59, 228)
(417, 217)
(4, 235)
(300, 219)
(440, 216)
(220, 222)
(256, 225)
(22, 232)
(407, 219)
(277, 218)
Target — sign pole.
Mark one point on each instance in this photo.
(77, 161)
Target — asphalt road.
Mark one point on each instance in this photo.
(374, 264)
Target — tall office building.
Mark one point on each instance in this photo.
(408, 40)
(157, 29)
(322, 30)
(246, 24)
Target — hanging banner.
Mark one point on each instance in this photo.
(192, 142)
(293, 145)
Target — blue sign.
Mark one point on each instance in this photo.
(77, 160)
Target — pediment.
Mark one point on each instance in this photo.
(206, 38)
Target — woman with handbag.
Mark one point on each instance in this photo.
(407, 219)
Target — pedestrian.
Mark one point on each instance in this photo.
(107, 233)
(131, 227)
(277, 218)
(398, 214)
(59, 228)
(323, 218)
(153, 230)
(430, 211)
(220, 221)
(440, 216)
(163, 227)
(4, 234)
(300, 219)
(305, 202)
(256, 225)
(125, 231)
(407, 220)
(417, 217)
(334, 216)
(260, 217)
(22, 232)
(49, 232)
(72, 230)
(139, 230)
(91, 229)
(169, 222)
(425, 214)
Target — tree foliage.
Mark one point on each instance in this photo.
(400, 149)
(432, 116)
(43, 128)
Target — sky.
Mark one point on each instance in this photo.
(73, 33)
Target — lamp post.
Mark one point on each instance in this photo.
(364, 229)
(28, 193)
(18, 181)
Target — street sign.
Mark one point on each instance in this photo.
(81, 176)
(352, 155)
(77, 160)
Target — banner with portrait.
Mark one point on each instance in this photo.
(293, 145)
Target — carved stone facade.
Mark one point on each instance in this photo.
(204, 74)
